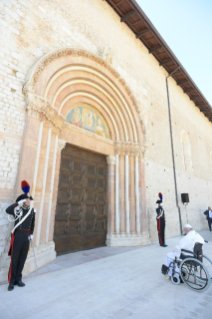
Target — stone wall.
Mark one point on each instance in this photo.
(30, 29)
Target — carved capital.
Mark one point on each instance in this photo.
(111, 160)
(61, 144)
(28, 88)
(37, 105)
(130, 149)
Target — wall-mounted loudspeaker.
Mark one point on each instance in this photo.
(184, 198)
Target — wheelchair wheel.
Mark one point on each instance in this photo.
(198, 277)
(175, 279)
(207, 262)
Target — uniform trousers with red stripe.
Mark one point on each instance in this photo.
(19, 252)
(161, 230)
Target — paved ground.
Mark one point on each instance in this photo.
(107, 283)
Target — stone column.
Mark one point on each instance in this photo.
(37, 159)
(132, 193)
(122, 194)
(111, 161)
(43, 187)
(130, 207)
(60, 146)
(51, 188)
(137, 194)
(127, 213)
(117, 220)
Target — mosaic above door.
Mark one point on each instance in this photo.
(89, 119)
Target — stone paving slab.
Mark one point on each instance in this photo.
(117, 284)
(81, 257)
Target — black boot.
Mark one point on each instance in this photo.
(11, 287)
(19, 283)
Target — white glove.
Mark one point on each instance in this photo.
(20, 203)
(31, 237)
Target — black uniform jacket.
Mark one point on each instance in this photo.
(160, 212)
(29, 222)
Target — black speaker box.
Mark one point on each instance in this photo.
(184, 198)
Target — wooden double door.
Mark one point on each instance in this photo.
(81, 219)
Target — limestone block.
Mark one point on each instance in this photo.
(3, 222)
(119, 240)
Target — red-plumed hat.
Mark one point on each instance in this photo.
(160, 196)
(159, 201)
(25, 188)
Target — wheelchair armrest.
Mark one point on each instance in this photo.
(187, 251)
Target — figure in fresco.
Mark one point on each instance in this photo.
(89, 121)
(99, 128)
(76, 119)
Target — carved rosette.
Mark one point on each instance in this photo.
(130, 149)
(38, 105)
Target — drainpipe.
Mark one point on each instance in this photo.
(172, 146)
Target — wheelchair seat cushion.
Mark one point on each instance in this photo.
(183, 256)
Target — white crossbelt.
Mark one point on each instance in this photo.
(21, 221)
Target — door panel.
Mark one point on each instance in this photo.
(80, 221)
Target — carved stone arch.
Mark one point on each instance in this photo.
(55, 85)
(62, 61)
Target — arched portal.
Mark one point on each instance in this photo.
(74, 97)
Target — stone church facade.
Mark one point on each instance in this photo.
(84, 119)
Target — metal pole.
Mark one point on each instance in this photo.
(171, 229)
(186, 212)
(172, 147)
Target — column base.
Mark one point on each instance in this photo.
(44, 254)
(118, 240)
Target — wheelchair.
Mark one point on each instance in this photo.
(195, 269)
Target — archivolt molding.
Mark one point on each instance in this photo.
(74, 52)
(37, 104)
(81, 53)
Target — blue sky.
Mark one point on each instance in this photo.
(186, 26)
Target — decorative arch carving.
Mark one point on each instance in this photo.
(54, 85)
(95, 81)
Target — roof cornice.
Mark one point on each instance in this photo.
(131, 14)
